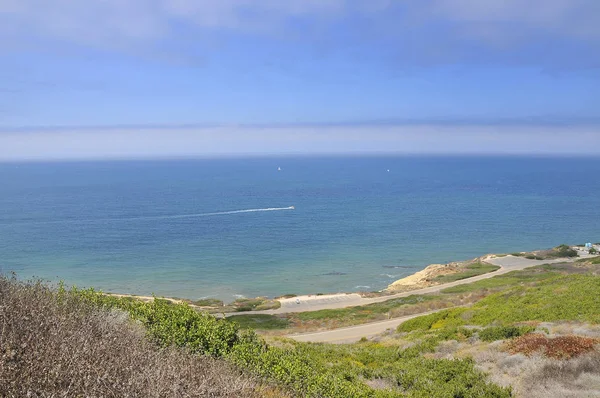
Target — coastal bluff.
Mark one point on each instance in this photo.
(435, 274)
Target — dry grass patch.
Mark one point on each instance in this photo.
(537, 376)
(61, 347)
(573, 378)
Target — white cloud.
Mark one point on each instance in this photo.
(539, 32)
(533, 11)
(146, 19)
(113, 22)
(570, 18)
(242, 13)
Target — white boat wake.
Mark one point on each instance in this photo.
(165, 217)
(219, 213)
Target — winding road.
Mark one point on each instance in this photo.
(354, 333)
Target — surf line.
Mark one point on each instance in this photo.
(165, 217)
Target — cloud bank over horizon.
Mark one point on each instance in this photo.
(75, 144)
(329, 76)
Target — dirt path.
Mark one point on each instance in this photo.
(353, 334)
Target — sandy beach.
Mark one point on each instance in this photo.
(417, 283)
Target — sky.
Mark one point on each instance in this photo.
(177, 78)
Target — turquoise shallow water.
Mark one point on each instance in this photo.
(174, 227)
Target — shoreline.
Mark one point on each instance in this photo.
(288, 298)
(419, 281)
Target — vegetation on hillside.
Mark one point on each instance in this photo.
(313, 370)
(531, 359)
(414, 304)
(591, 260)
(527, 276)
(255, 304)
(563, 347)
(470, 271)
(558, 298)
(341, 317)
(393, 308)
(93, 336)
(56, 344)
(560, 251)
(260, 321)
(563, 251)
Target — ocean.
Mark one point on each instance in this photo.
(227, 228)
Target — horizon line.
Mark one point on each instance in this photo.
(539, 121)
(251, 156)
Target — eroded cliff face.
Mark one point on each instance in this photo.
(423, 278)
(427, 277)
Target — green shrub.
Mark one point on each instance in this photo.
(543, 329)
(470, 271)
(422, 323)
(554, 298)
(494, 333)
(563, 251)
(592, 260)
(564, 298)
(363, 313)
(530, 276)
(255, 304)
(533, 257)
(168, 323)
(207, 302)
(285, 296)
(259, 321)
(437, 320)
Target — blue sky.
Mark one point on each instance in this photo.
(297, 76)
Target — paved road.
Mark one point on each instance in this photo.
(343, 300)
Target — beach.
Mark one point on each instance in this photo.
(418, 283)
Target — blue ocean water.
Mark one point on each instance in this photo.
(174, 228)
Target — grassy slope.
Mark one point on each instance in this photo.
(593, 260)
(554, 297)
(528, 276)
(558, 298)
(513, 312)
(302, 369)
(333, 318)
(260, 322)
(470, 271)
(539, 294)
(350, 370)
(360, 314)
